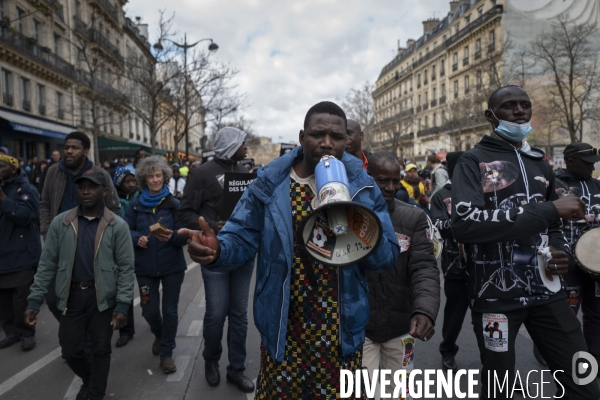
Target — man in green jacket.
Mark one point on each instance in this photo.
(89, 251)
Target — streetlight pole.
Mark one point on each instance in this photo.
(212, 47)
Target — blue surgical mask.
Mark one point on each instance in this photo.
(511, 131)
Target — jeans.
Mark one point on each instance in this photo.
(227, 296)
(457, 304)
(13, 303)
(81, 320)
(129, 328)
(555, 330)
(163, 325)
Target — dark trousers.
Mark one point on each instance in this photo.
(457, 304)
(81, 320)
(13, 303)
(557, 333)
(227, 297)
(52, 300)
(163, 325)
(129, 328)
(584, 293)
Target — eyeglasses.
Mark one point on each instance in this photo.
(593, 150)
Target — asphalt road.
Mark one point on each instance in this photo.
(135, 373)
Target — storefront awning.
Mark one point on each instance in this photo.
(36, 126)
(106, 144)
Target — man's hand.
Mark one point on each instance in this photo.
(570, 208)
(118, 320)
(203, 246)
(30, 316)
(165, 237)
(559, 263)
(421, 327)
(143, 242)
(219, 225)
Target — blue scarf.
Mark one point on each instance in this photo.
(153, 200)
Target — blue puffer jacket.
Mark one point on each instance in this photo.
(20, 246)
(262, 222)
(160, 258)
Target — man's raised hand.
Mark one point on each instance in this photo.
(203, 245)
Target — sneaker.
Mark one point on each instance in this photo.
(124, 339)
(27, 343)
(168, 365)
(155, 346)
(9, 340)
(83, 391)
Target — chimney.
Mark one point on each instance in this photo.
(453, 5)
(410, 42)
(430, 24)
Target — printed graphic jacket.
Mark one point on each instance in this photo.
(20, 246)
(412, 286)
(453, 263)
(588, 190)
(262, 223)
(203, 194)
(501, 199)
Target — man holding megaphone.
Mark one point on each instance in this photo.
(311, 314)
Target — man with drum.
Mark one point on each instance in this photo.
(582, 288)
(506, 209)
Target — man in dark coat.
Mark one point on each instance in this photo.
(405, 300)
(20, 250)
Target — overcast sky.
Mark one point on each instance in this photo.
(293, 54)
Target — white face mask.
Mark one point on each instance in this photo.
(511, 131)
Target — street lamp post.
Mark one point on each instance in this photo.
(212, 47)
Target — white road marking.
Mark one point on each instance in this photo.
(48, 358)
(74, 388)
(250, 396)
(195, 328)
(181, 362)
(27, 372)
(149, 372)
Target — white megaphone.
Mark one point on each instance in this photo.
(339, 232)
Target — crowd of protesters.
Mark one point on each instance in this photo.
(103, 229)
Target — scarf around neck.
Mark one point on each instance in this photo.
(153, 200)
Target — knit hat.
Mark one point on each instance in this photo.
(9, 160)
(120, 175)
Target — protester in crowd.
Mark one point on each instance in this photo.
(88, 252)
(185, 170)
(33, 165)
(177, 182)
(355, 139)
(20, 250)
(505, 206)
(453, 267)
(577, 180)
(159, 258)
(55, 158)
(301, 307)
(36, 177)
(128, 192)
(226, 291)
(139, 155)
(60, 191)
(439, 174)
(397, 318)
(415, 188)
(110, 168)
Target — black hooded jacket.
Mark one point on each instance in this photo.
(588, 190)
(501, 199)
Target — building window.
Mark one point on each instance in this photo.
(444, 38)
(478, 49)
(468, 19)
(433, 72)
(480, 11)
(479, 80)
(434, 120)
(426, 97)
(455, 89)
(3, 13)
(426, 122)
(7, 91)
(425, 79)
(467, 84)
(466, 56)
(41, 98)
(434, 94)
(82, 116)
(443, 90)
(454, 61)
(57, 44)
(78, 9)
(111, 121)
(418, 81)
(25, 94)
(456, 28)
(59, 106)
(36, 30)
(419, 100)
(20, 20)
(443, 68)
(492, 45)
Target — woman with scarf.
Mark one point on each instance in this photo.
(159, 258)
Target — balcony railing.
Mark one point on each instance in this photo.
(465, 61)
(99, 86)
(428, 131)
(22, 44)
(419, 85)
(455, 95)
(61, 113)
(42, 109)
(59, 11)
(442, 72)
(455, 67)
(425, 81)
(80, 26)
(443, 100)
(432, 78)
(478, 54)
(491, 47)
(26, 104)
(7, 99)
(419, 108)
(110, 9)
(110, 48)
(466, 90)
(425, 106)
(406, 113)
(433, 103)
